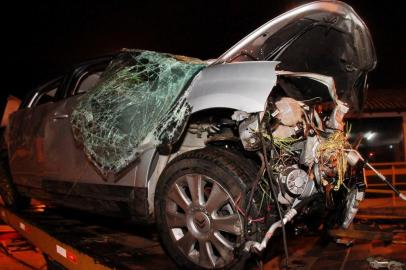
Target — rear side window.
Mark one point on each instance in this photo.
(87, 82)
(45, 94)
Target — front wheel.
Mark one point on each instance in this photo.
(199, 205)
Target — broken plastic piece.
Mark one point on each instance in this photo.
(345, 241)
(290, 111)
(336, 120)
(382, 263)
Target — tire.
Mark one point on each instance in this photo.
(198, 208)
(8, 191)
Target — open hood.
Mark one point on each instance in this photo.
(322, 37)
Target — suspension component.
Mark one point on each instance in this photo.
(258, 247)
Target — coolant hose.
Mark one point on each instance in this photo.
(258, 247)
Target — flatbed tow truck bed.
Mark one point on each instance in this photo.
(78, 240)
(81, 241)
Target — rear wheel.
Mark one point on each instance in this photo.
(199, 206)
(8, 192)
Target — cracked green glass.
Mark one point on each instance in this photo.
(139, 103)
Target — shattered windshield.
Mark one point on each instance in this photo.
(139, 103)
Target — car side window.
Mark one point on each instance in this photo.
(45, 94)
(86, 76)
(87, 82)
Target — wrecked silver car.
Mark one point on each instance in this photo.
(218, 153)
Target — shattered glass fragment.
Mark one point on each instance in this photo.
(139, 103)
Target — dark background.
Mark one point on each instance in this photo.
(63, 33)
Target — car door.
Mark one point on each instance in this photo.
(68, 171)
(65, 159)
(26, 133)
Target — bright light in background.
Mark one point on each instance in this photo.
(369, 135)
(390, 146)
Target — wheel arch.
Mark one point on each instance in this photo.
(154, 161)
(243, 86)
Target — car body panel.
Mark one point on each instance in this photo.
(25, 138)
(241, 86)
(73, 165)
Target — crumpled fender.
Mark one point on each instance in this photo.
(243, 86)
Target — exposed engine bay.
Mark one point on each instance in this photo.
(306, 141)
(302, 143)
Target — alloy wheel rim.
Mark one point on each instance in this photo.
(203, 220)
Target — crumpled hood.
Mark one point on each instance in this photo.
(322, 37)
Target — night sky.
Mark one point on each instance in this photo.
(63, 33)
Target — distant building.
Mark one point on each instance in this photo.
(382, 126)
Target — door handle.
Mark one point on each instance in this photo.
(60, 116)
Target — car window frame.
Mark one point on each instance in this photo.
(68, 82)
(82, 72)
(34, 96)
(80, 79)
